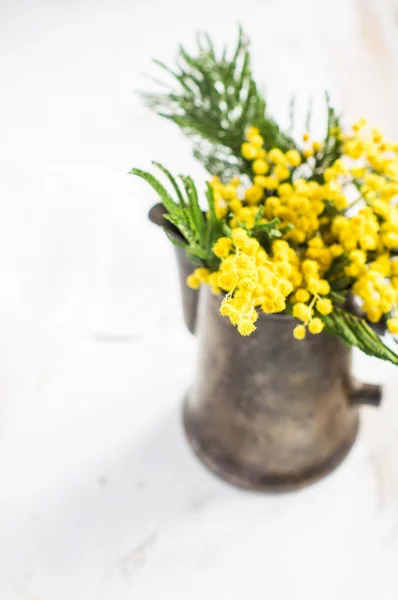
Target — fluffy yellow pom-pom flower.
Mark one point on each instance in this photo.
(199, 276)
(222, 247)
(202, 274)
(193, 282)
(324, 306)
(240, 238)
(226, 281)
(254, 194)
(392, 325)
(299, 332)
(374, 314)
(281, 172)
(260, 167)
(246, 327)
(324, 287)
(276, 156)
(271, 183)
(315, 325)
(316, 146)
(302, 295)
(310, 267)
(293, 158)
(301, 311)
(249, 151)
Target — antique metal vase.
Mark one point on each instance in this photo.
(268, 412)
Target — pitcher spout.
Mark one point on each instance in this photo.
(189, 297)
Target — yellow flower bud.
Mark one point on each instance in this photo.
(315, 242)
(260, 180)
(358, 172)
(324, 306)
(392, 325)
(260, 167)
(324, 287)
(279, 303)
(368, 242)
(394, 267)
(254, 194)
(235, 206)
(227, 310)
(202, 274)
(302, 295)
(240, 238)
(313, 285)
(243, 263)
(193, 281)
(299, 332)
(281, 172)
(227, 281)
(316, 146)
(251, 131)
(285, 287)
(336, 250)
(374, 314)
(293, 158)
(246, 327)
(222, 247)
(271, 183)
(256, 140)
(310, 267)
(358, 257)
(282, 269)
(247, 284)
(315, 325)
(276, 156)
(390, 240)
(249, 151)
(302, 311)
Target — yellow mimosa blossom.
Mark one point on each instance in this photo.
(323, 242)
(299, 332)
(315, 325)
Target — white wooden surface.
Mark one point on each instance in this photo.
(100, 497)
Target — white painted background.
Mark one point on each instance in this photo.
(100, 497)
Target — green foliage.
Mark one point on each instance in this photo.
(213, 99)
(266, 232)
(336, 275)
(185, 214)
(263, 232)
(354, 331)
(332, 145)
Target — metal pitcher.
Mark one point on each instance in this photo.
(267, 412)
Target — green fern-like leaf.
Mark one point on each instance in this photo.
(332, 145)
(175, 214)
(213, 99)
(354, 331)
(186, 215)
(195, 210)
(173, 183)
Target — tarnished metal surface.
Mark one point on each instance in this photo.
(189, 297)
(268, 411)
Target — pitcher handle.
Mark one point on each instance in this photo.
(366, 393)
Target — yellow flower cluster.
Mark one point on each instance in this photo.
(250, 278)
(338, 231)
